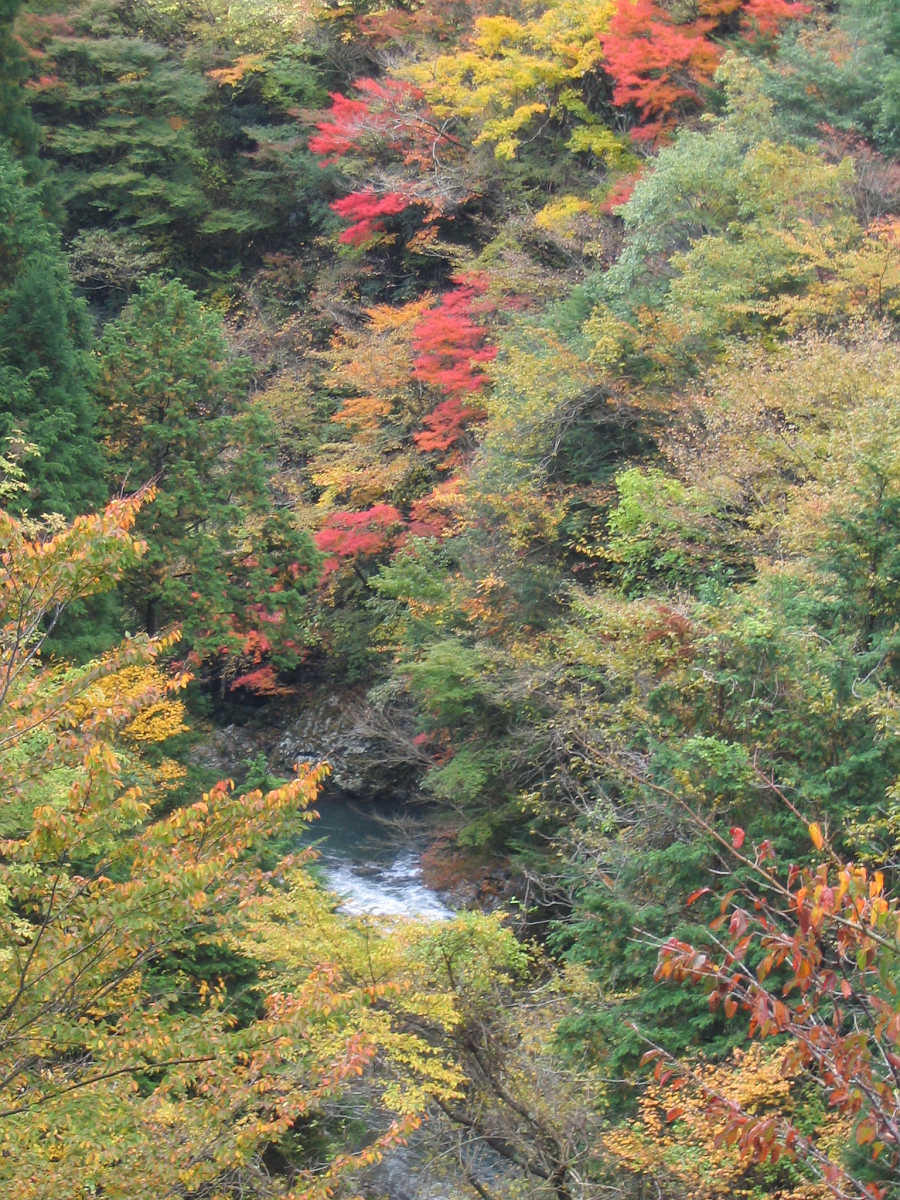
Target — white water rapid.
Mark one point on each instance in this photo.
(362, 863)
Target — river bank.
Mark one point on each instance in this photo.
(382, 850)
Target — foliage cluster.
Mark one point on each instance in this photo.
(539, 372)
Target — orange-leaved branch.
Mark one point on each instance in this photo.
(811, 959)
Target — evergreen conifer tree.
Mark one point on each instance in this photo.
(218, 559)
(16, 122)
(44, 364)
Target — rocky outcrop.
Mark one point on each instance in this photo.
(402, 1175)
(424, 1170)
(372, 752)
(333, 730)
(225, 750)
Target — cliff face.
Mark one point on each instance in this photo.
(372, 753)
(372, 756)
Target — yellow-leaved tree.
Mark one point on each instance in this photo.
(121, 1074)
(515, 76)
(457, 1020)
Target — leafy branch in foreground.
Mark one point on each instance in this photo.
(118, 1074)
(811, 957)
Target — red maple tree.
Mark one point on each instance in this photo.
(388, 136)
(810, 957)
(450, 349)
(384, 117)
(365, 209)
(348, 537)
(662, 66)
(764, 18)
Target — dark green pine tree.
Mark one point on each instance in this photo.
(45, 367)
(121, 135)
(16, 122)
(234, 573)
(160, 163)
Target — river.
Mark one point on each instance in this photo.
(370, 866)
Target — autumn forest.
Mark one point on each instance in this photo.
(520, 379)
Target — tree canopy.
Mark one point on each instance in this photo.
(522, 384)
